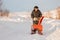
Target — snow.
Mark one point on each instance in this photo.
(20, 29)
(54, 36)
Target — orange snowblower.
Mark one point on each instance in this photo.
(38, 26)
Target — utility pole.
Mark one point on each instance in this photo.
(1, 4)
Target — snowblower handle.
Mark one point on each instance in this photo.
(40, 20)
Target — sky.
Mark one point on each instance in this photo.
(27, 5)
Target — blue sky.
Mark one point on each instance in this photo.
(27, 5)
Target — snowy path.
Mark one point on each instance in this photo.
(21, 30)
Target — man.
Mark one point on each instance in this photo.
(35, 15)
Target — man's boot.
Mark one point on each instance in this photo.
(33, 31)
(40, 32)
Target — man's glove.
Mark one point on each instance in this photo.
(35, 19)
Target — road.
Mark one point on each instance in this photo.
(18, 30)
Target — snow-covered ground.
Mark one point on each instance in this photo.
(19, 28)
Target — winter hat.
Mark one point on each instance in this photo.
(35, 6)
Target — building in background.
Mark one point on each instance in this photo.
(55, 14)
(58, 11)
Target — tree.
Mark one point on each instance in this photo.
(3, 12)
